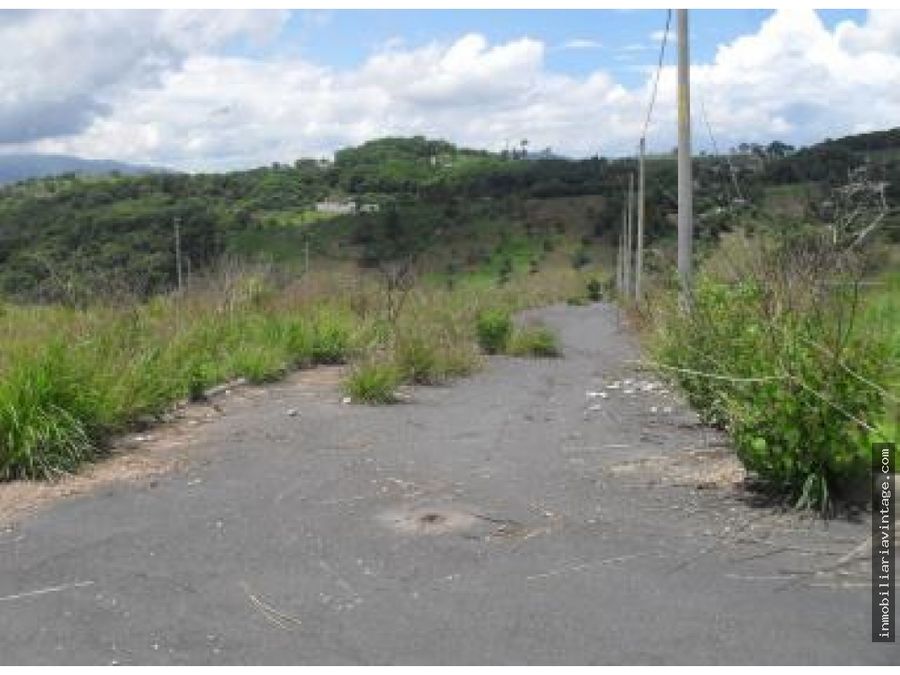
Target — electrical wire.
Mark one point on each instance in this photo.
(662, 52)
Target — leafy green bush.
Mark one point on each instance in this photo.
(494, 328)
(790, 383)
(373, 382)
(534, 341)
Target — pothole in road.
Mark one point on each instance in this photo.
(428, 520)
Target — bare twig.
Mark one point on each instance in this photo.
(834, 405)
(583, 566)
(714, 376)
(280, 619)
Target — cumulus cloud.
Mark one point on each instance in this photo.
(797, 79)
(793, 78)
(61, 69)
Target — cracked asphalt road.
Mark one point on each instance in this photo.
(509, 518)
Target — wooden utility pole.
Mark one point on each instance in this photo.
(685, 179)
(639, 262)
(177, 223)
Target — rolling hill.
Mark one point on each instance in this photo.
(14, 168)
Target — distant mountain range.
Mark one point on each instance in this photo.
(14, 168)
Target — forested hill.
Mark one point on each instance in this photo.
(829, 162)
(73, 237)
(69, 237)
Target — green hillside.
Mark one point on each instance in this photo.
(76, 239)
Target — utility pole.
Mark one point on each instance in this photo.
(177, 223)
(639, 263)
(629, 238)
(685, 179)
(621, 261)
(306, 257)
(626, 247)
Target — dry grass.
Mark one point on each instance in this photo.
(717, 468)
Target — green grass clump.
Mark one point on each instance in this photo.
(258, 363)
(494, 328)
(373, 382)
(332, 333)
(534, 341)
(46, 420)
(417, 360)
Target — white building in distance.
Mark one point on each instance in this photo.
(345, 206)
(336, 207)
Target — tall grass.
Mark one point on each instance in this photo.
(69, 379)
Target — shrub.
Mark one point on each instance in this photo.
(494, 328)
(594, 290)
(373, 382)
(581, 257)
(788, 381)
(534, 341)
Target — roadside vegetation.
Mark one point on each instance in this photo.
(785, 349)
(72, 378)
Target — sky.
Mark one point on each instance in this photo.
(207, 90)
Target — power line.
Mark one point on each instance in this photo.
(642, 145)
(712, 138)
(662, 52)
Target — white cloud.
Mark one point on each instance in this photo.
(58, 69)
(582, 43)
(793, 78)
(797, 79)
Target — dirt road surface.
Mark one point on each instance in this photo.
(555, 511)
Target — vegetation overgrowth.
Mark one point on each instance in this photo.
(71, 378)
(782, 347)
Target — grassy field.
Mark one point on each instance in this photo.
(69, 379)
